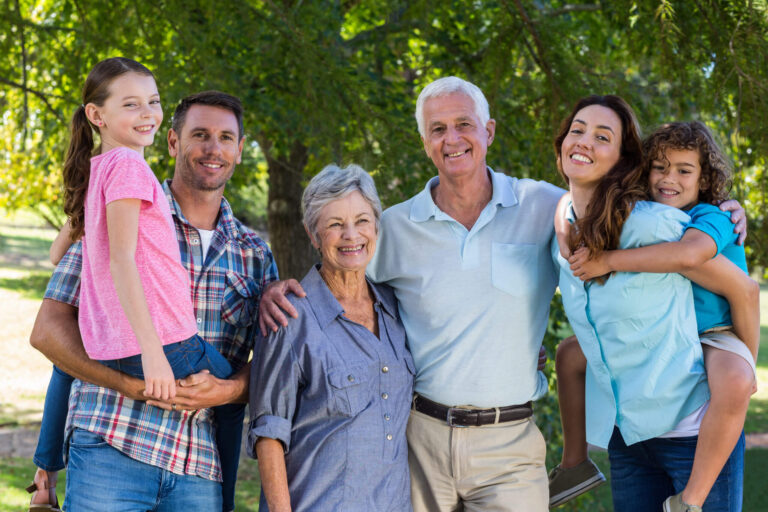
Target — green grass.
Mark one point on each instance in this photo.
(757, 415)
(17, 473)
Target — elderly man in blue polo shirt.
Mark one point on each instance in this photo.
(468, 258)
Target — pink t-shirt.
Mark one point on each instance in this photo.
(121, 173)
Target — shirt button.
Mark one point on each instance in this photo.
(194, 241)
(386, 417)
(389, 437)
(351, 378)
(385, 369)
(199, 320)
(384, 396)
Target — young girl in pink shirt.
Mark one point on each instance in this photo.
(135, 309)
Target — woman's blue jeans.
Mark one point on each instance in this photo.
(644, 474)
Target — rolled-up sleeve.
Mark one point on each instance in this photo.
(274, 387)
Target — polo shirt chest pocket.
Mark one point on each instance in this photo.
(349, 387)
(240, 301)
(515, 268)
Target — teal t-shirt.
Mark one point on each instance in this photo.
(712, 310)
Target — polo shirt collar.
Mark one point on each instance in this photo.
(327, 308)
(424, 207)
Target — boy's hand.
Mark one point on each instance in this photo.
(586, 268)
(738, 217)
(158, 376)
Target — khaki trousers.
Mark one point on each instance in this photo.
(489, 468)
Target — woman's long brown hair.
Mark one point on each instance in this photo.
(599, 229)
(77, 167)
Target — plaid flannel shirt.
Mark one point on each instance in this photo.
(226, 289)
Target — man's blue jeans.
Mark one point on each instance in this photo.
(186, 357)
(101, 478)
(644, 474)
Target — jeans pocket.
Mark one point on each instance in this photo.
(85, 439)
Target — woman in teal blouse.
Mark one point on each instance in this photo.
(646, 388)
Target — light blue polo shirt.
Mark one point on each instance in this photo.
(645, 368)
(475, 304)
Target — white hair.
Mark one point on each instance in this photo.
(333, 183)
(449, 85)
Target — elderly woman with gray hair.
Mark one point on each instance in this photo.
(330, 393)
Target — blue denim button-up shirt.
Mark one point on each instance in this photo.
(338, 398)
(645, 370)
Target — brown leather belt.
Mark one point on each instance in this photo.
(458, 417)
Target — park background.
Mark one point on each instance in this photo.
(336, 81)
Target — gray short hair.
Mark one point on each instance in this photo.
(448, 85)
(333, 183)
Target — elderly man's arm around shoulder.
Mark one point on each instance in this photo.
(56, 334)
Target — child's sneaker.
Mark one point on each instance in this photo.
(566, 484)
(676, 504)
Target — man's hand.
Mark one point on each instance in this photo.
(542, 359)
(585, 268)
(274, 304)
(196, 391)
(738, 217)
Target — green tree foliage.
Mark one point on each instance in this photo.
(337, 80)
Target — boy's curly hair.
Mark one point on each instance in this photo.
(716, 171)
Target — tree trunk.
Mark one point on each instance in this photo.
(290, 244)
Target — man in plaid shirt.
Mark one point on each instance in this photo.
(128, 454)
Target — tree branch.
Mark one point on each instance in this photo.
(539, 54)
(23, 76)
(43, 96)
(569, 8)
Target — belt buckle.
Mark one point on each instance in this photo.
(449, 417)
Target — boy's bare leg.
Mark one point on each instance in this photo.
(731, 382)
(571, 366)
